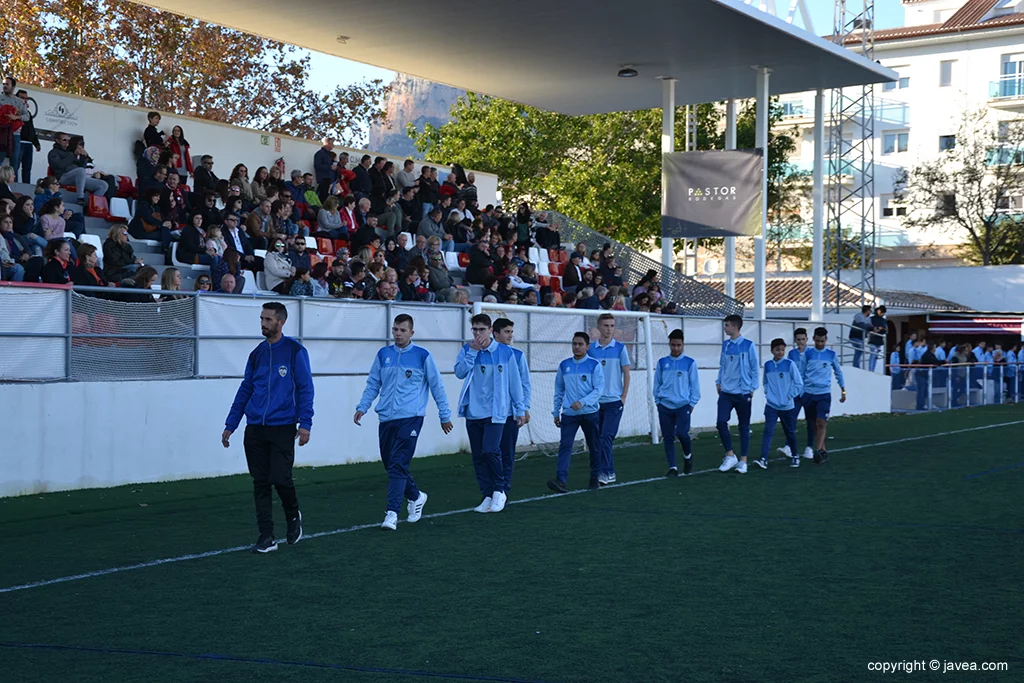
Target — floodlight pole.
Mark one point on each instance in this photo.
(818, 197)
(730, 242)
(760, 254)
(668, 145)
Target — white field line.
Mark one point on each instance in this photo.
(360, 527)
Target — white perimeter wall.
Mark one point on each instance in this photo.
(64, 436)
(111, 129)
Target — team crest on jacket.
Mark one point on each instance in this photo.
(604, 362)
(408, 374)
(499, 369)
(583, 378)
(483, 369)
(781, 375)
(283, 371)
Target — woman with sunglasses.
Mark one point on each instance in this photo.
(204, 284)
(277, 268)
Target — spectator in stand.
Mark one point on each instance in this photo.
(392, 221)
(430, 226)
(88, 273)
(231, 264)
(514, 279)
(572, 276)
(240, 242)
(480, 268)
(29, 143)
(205, 179)
(581, 249)
(410, 206)
(587, 299)
(449, 188)
(408, 285)
(77, 145)
(144, 278)
(70, 168)
(14, 113)
(171, 212)
(318, 278)
(365, 235)
(528, 297)
(19, 251)
(276, 178)
(260, 183)
(170, 281)
(468, 190)
(193, 248)
(299, 257)
(153, 136)
(240, 177)
(148, 224)
(204, 283)
(407, 176)
(440, 278)
(119, 259)
(7, 198)
(428, 193)
(420, 249)
(228, 284)
(362, 211)
(324, 165)
(207, 206)
(378, 186)
(336, 279)
(349, 222)
(157, 179)
(53, 222)
(11, 267)
(399, 258)
(277, 267)
(360, 185)
(310, 196)
(179, 147)
(57, 270)
(259, 224)
(328, 220)
(302, 284)
(528, 273)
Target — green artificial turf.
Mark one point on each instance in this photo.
(906, 551)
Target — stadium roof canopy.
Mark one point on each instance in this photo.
(561, 55)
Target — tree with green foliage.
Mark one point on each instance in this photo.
(603, 170)
(125, 52)
(972, 189)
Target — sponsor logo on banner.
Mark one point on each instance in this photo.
(60, 114)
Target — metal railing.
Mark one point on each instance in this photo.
(692, 297)
(1006, 87)
(922, 388)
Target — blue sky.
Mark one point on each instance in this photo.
(328, 71)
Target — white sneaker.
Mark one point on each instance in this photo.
(786, 452)
(390, 520)
(498, 501)
(485, 506)
(416, 508)
(741, 467)
(602, 480)
(808, 453)
(610, 478)
(728, 462)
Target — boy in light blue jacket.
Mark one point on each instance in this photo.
(676, 393)
(578, 386)
(782, 384)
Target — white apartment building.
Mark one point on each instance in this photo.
(951, 55)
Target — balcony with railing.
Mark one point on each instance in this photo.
(1007, 91)
(800, 111)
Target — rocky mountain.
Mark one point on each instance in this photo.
(412, 100)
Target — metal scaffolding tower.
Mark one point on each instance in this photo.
(850, 167)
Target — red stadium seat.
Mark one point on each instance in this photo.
(463, 259)
(324, 246)
(328, 260)
(339, 244)
(556, 284)
(543, 280)
(98, 207)
(562, 256)
(556, 268)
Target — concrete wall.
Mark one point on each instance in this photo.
(62, 436)
(111, 129)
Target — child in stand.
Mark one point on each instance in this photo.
(215, 240)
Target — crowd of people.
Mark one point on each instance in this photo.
(376, 208)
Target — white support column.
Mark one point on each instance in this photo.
(760, 254)
(668, 144)
(730, 242)
(818, 197)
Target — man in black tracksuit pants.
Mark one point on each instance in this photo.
(275, 394)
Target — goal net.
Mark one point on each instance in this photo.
(544, 335)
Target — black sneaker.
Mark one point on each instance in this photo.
(295, 529)
(817, 456)
(558, 486)
(266, 544)
(672, 472)
(595, 483)
(824, 457)
(687, 465)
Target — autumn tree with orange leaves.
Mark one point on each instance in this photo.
(119, 51)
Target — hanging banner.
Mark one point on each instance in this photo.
(711, 194)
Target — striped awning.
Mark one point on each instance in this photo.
(978, 324)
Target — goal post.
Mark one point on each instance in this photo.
(544, 335)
